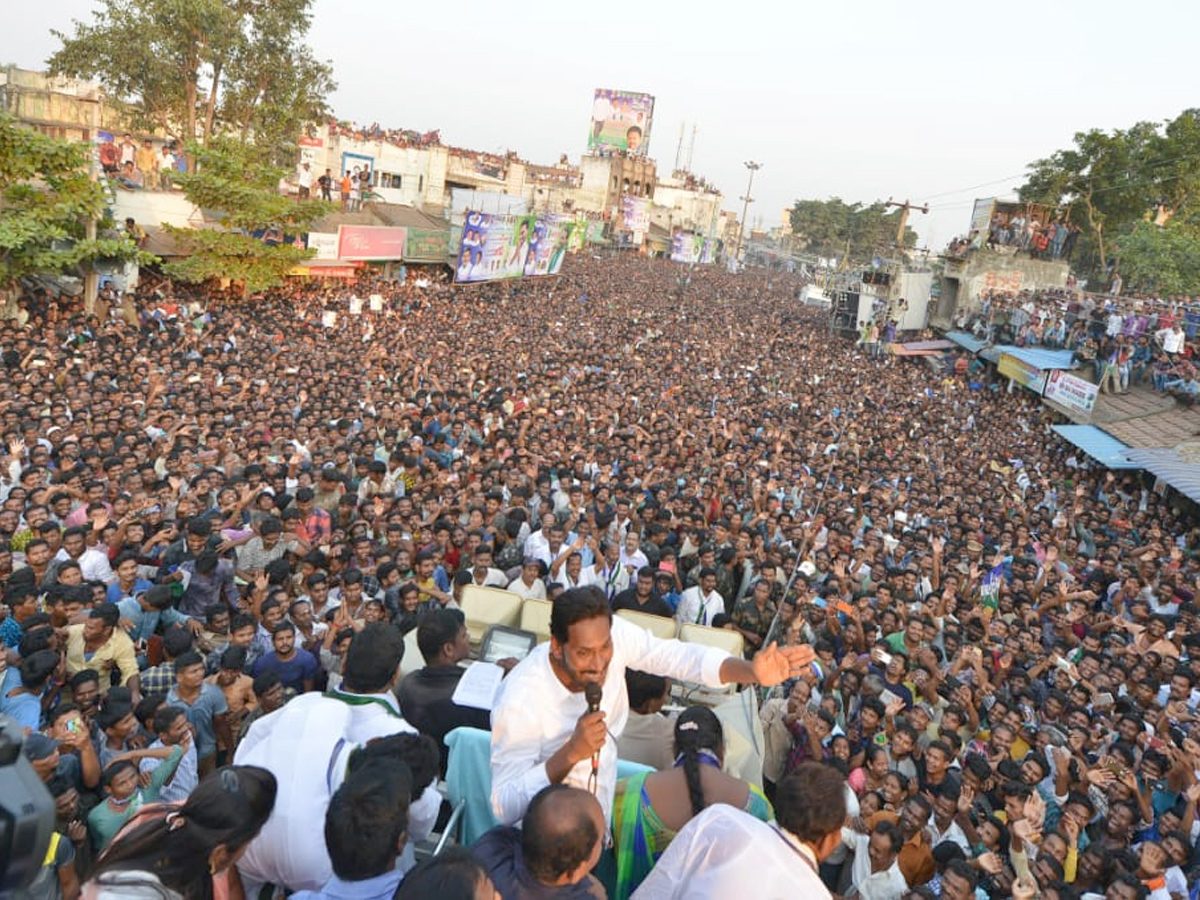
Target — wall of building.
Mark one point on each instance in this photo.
(965, 281)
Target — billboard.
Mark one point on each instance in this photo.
(1071, 392)
(426, 245)
(687, 247)
(635, 213)
(366, 242)
(494, 247)
(620, 122)
(1022, 372)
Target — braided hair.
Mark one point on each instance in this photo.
(697, 729)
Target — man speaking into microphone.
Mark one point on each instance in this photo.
(542, 730)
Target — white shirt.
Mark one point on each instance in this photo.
(697, 608)
(290, 850)
(1172, 340)
(610, 579)
(953, 833)
(724, 852)
(535, 591)
(535, 714)
(493, 578)
(886, 885)
(93, 564)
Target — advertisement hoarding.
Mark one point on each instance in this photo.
(1022, 372)
(324, 242)
(620, 122)
(687, 247)
(495, 247)
(368, 242)
(425, 245)
(1071, 392)
(635, 214)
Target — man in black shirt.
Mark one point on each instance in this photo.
(642, 597)
(425, 695)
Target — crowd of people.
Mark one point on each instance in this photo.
(1118, 341)
(977, 657)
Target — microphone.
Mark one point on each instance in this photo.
(592, 692)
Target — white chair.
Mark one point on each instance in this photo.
(412, 654)
(535, 617)
(659, 626)
(487, 606)
(731, 642)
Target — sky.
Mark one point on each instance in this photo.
(934, 102)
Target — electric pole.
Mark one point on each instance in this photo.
(904, 208)
(746, 201)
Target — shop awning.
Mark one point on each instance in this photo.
(1100, 446)
(1037, 357)
(1180, 471)
(966, 341)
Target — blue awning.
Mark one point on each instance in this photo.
(966, 341)
(1181, 473)
(1037, 357)
(1099, 445)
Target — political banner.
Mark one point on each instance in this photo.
(989, 589)
(495, 247)
(1022, 372)
(1071, 392)
(620, 122)
(635, 213)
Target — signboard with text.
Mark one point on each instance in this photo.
(1022, 373)
(368, 242)
(1071, 392)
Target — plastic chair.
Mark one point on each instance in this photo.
(658, 626)
(731, 642)
(535, 617)
(486, 606)
(412, 659)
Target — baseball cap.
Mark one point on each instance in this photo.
(38, 746)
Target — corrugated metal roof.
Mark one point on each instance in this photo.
(1102, 447)
(966, 341)
(1039, 358)
(927, 345)
(1180, 472)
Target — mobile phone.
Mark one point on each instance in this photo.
(1063, 664)
(885, 658)
(1104, 699)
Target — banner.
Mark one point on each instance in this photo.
(620, 122)
(495, 247)
(989, 589)
(426, 245)
(635, 213)
(1072, 393)
(687, 247)
(370, 242)
(1022, 373)
(325, 243)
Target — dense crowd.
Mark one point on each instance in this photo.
(221, 517)
(1118, 341)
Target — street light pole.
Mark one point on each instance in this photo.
(746, 201)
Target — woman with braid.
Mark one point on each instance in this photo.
(651, 807)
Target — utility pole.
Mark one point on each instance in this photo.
(904, 209)
(746, 201)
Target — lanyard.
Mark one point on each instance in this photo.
(808, 862)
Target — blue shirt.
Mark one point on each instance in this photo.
(293, 672)
(381, 887)
(114, 594)
(11, 632)
(210, 703)
(145, 622)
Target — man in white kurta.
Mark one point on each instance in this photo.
(542, 732)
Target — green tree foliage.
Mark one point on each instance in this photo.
(46, 198)
(198, 68)
(1162, 258)
(835, 228)
(234, 186)
(1111, 182)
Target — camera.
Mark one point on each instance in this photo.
(26, 814)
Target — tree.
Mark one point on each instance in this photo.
(1164, 259)
(835, 228)
(233, 185)
(47, 196)
(198, 68)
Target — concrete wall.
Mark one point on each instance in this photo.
(965, 281)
